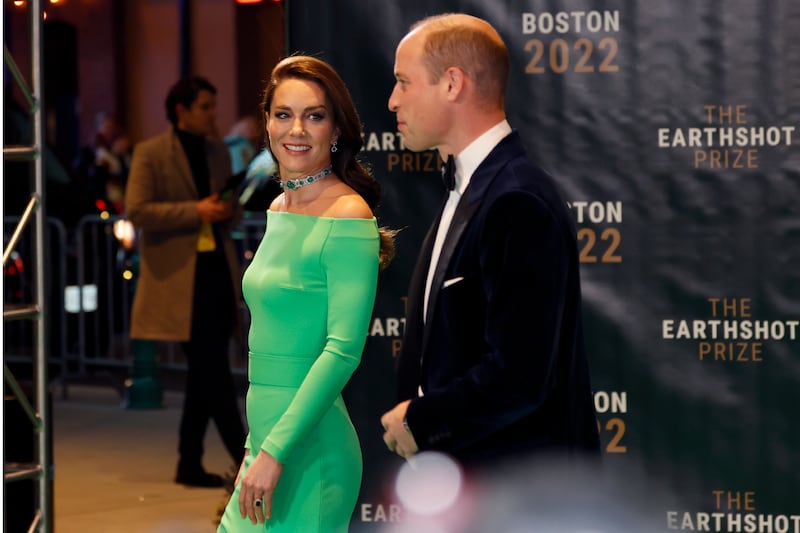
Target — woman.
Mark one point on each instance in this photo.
(310, 290)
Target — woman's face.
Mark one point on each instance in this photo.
(300, 127)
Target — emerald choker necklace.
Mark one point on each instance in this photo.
(302, 182)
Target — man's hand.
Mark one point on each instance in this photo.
(397, 438)
(212, 209)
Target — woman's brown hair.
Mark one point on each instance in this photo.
(344, 160)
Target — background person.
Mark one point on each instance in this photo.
(249, 162)
(102, 165)
(188, 290)
(242, 142)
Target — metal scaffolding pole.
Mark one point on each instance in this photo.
(40, 417)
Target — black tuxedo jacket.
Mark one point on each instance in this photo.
(500, 357)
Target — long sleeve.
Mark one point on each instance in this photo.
(350, 262)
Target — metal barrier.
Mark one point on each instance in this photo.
(17, 288)
(91, 287)
(100, 298)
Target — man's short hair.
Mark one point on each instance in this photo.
(185, 92)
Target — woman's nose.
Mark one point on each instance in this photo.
(297, 127)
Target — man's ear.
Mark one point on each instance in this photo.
(455, 79)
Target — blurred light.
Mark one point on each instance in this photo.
(429, 483)
(104, 215)
(19, 3)
(77, 298)
(248, 1)
(100, 204)
(15, 260)
(125, 233)
(127, 274)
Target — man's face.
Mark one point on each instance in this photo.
(200, 117)
(418, 103)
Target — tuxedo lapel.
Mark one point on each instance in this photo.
(409, 364)
(417, 332)
(480, 181)
(416, 293)
(464, 210)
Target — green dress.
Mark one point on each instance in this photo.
(310, 289)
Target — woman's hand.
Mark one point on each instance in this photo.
(258, 487)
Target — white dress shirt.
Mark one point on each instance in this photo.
(466, 163)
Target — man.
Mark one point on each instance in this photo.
(188, 287)
(493, 364)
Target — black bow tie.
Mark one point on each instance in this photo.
(449, 173)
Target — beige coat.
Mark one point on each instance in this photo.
(160, 201)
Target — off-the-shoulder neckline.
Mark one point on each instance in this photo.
(270, 211)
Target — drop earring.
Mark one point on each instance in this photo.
(334, 148)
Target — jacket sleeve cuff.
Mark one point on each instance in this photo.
(428, 432)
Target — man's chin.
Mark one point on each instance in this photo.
(414, 147)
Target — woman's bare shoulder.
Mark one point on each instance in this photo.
(349, 205)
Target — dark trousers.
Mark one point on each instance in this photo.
(210, 392)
